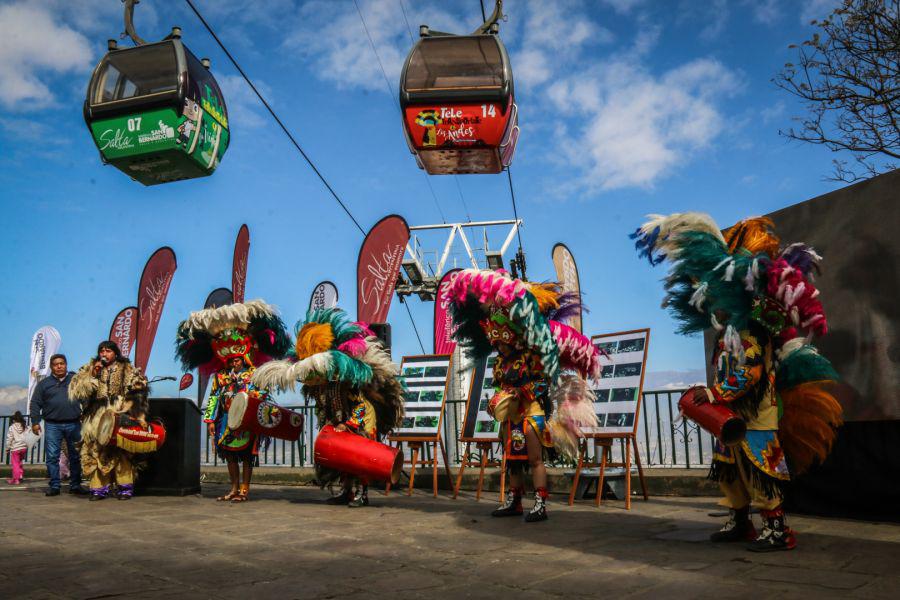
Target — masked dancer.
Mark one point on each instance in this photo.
(346, 371)
(540, 362)
(759, 298)
(228, 343)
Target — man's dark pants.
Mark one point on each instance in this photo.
(54, 435)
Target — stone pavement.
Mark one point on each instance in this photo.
(285, 543)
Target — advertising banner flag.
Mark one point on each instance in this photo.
(186, 381)
(378, 266)
(567, 274)
(443, 324)
(124, 329)
(239, 264)
(324, 295)
(44, 344)
(217, 297)
(154, 287)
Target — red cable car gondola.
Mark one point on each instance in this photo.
(456, 95)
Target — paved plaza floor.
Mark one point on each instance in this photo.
(285, 543)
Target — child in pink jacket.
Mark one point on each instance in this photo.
(17, 447)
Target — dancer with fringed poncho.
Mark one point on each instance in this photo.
(540, 362)
(760, 299)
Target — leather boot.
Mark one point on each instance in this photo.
(738, 528)
(538, 512)
(512, 506)
(776, 535)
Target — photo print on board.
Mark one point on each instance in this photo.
(619, 388)
(425, 378)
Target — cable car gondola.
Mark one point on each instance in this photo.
(457, 100)
(155, 111)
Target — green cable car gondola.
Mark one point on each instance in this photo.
(156, 112)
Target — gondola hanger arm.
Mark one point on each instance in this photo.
(490, 25)
(129, 22)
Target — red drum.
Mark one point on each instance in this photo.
(122, 431)
(251, 412)
(351, 453)
(717, 419)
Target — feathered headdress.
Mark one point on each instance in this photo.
(490, 307)
(724, 279)
(250, 330)
(331, 349)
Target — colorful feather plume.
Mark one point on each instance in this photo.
(576, 352)
(754, 235)
(574, 402)
(332, 350)
(476, 294)
(811, 414)
(658, 238)
(799, 297)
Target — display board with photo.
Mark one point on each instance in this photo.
(621, 381)
(479, 426)
(426, 380)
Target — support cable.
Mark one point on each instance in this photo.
(275, 116)
(462, 198)
(393, 96)
(416, 329)
(512, 193)
(405, 18)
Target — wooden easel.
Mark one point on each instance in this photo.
(417, 446)
(603, 445)
(484, 448)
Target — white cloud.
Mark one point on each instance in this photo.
(33, 47)
(244, 108)
(554, 34)
(12, 398)
(674, 380)
(338, 46)
(623, 6)
(716, 19)
(764, 11)
(817, 9)
(774, 112)
(631, 128)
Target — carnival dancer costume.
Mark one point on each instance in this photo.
(540, 362)
(103, 386)
(760, 299)
(346, 371)
(228, 343)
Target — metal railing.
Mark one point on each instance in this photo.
(663, 439)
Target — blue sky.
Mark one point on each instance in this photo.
(626, 108)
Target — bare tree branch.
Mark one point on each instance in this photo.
(848, 77)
